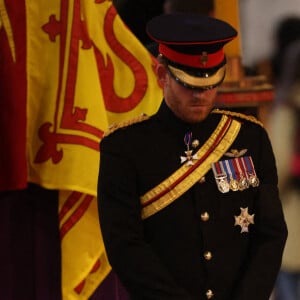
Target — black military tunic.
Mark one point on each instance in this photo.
(191, 249)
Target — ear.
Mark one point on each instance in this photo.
(161, 72)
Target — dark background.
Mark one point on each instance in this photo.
(136, 13)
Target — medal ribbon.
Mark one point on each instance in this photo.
(187, 140)
(235, 171)
(250, 166)
(247, 171)
(244, 165)
(228, 169)
(233, 183)
(221, 176)
(252, 178)
(241, 166)
(243, 182)
(218, 170)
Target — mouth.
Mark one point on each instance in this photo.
(198, 108)
(199, 105)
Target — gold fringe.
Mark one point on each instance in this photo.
(112, 128)
(238, 115)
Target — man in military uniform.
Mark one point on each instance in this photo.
(188, 198)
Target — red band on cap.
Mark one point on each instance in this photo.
(204, 60)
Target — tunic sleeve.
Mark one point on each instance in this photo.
(134, 261)
(270, 232)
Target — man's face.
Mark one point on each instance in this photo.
(189, 105)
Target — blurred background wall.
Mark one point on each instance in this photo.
(258, 20)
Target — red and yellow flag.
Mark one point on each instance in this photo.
(84, 71)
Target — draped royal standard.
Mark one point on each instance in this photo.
(84, 71)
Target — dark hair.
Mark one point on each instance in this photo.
(162, 60)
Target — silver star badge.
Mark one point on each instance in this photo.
(244, 220)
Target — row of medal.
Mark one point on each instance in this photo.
(236, 174)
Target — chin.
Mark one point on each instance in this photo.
(199, 120)
(199, 117)
(196, 119)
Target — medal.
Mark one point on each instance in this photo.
(236, 174)
(234, 184)
(243, 182)
(220, 177)
(253, 180)
(188, 159)
(251, 174)
(223, 185)
(244, 220)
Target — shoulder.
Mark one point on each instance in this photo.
(125, 136)
(240, 116)
(116, 127)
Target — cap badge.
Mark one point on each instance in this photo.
(204, 58)
(190, 157)
(244, 220)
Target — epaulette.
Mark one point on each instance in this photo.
(238, 115)
(112, 128)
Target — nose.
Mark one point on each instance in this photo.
(198, 93)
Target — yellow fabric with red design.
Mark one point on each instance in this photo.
(81, 79)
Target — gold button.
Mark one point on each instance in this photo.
(207, 255)
(209, 294)
(205, 216)
(195, 143)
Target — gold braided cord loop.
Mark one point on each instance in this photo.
(238, 115)
(112, 128)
